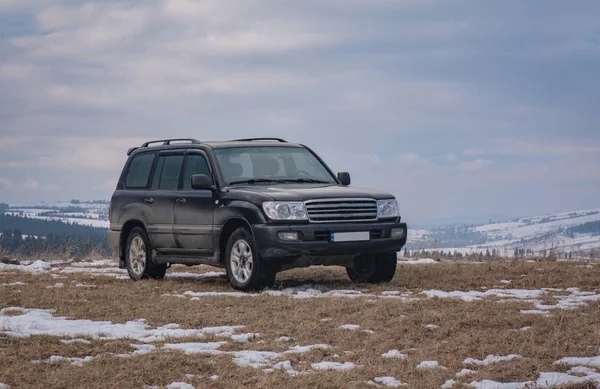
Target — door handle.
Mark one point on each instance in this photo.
(149, 200)
(180, 201)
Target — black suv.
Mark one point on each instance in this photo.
(253, 206)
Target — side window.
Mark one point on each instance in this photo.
(139, 171)
(196, 164)
(168, 169)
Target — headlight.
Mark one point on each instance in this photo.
(285, 210)
(387, 208)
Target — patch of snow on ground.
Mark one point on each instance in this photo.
(448, 384)
(180, 385)
(394, 354)
(35, 267)
(13, 283)
(465, 372)
(305, 349)
(76, 340)
(80, 285)
(490, 359)
(350, 327)
(57, 285)
(244, 338)
(194, 276)
(74, 361)
(42, 322)
(4, 386)
(214, 377)
(420, 261)
(194, 348)
(431, 326)
(284, 339)
(430, 365)
(573, 361)
(545, 380)
(505, 281)
(391, 382)
(333, 366)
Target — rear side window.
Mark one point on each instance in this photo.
(168, 170)
(196, 164)
(139, 171)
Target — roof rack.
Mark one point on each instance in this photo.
(255, 139)
(165, 142)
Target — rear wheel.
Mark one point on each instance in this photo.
(373, 269)
(246, 270)
(138, 257)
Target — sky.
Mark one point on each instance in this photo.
(458, 108)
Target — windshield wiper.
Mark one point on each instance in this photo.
(257, 180)
(309, 180)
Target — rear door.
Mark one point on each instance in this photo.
(194, 209)
(159, 203)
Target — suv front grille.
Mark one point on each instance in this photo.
(341, 210)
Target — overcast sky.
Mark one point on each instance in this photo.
(456, 107)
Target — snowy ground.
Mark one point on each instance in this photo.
(436, 325)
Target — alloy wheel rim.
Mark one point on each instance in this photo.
(241, 261)
(137, 255)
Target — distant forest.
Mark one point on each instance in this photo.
(28, 236)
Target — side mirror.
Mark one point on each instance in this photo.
(201, 181)
(344, 178)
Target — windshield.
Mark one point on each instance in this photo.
(285, 164)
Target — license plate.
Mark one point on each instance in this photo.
(350, 236)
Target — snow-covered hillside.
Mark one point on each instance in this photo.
(576, 232)
(93, 214)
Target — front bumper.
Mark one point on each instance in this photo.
(314, 240)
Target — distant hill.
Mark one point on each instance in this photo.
(576, 233)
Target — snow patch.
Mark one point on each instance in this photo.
(391, 382)
(430, 365)
(42, 322)
(448, 384)
(333, 366)
(350, 326)
(490, 359)
(180, 385)
(394, 354)
(13, 283)
(76, 340)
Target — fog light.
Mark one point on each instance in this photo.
(292, 235)
(398, 232)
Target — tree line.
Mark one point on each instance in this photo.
(28, 237)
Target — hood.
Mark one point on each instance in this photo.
(303, 192)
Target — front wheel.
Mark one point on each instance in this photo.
(373, 269)
(138, 257)
(246, 270)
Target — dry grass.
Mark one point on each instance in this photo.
(466, 329)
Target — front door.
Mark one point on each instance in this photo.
(194, 210)
(159, 203)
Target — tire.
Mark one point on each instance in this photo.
(138, 257)
(373, 269)
(246, 270)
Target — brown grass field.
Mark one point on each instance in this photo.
(397, 314)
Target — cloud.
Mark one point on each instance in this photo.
(414, 97)
(31, 184)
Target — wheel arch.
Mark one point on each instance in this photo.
(127, 227)
(229, 226)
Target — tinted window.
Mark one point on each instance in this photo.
(168, 169)
(139, 170)
(196, 164)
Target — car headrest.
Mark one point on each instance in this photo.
(232, 169)
(265, 166)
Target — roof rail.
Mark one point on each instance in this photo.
(167, 142)
(253, 139)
